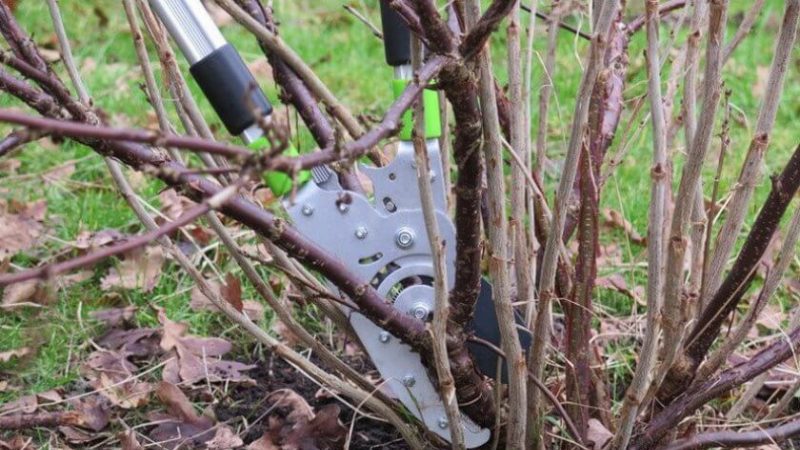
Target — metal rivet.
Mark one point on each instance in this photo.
(409, 381)
(443, 423)
(404, 237)
(361, 232)
(384, 337)
(307, 210)
(343, 207)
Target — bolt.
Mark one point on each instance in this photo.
(343, 207)
(409, 381)
(432, 175)
(404, 237)
(384, 337)
(308, 210)
(443, 423)
(361, 232)
(420, 311)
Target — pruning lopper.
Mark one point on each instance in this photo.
(382, 236)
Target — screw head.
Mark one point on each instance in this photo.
(409, 381)
(307, 210)
(443, 423)
(343, 207)
(384, 337)
(420, 311)
(361, 232)
(404, 237)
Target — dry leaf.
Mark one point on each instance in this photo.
(182, 425)
(135, 342)
(141, 269)
(17, 443)
(231, 291)
(615, 219)
(196, 358)
(112, 374)
(287, 335)
(9, 165)
(128, 440)
(59, 173)
(598, 434)
(617, 283)
(199, 302)
(16, 353)
(113, 317)
(91, 240)
(20, 227)
(224, 439)
(296, 426)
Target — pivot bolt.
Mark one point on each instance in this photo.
(443, 423)
(384, 337)
(420, 311)
(409, 381)
(343, 207)
(361, 232)
(307, 210)
(404, 237)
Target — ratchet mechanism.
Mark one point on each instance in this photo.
(381, 237)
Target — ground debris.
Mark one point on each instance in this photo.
(193, 359)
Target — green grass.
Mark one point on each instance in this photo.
(350, 60)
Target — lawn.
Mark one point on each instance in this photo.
(74, 182)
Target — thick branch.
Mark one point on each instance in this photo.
(741, 275)
(738, 439)
(701, 393)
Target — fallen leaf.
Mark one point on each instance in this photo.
(263, 443)
(199, 302)
(59, 173)
(197, 358)
(128, 440)
(139, 270)
(112, 374)
(296, 426)
(75, 435)
(181, 425)
(598, 434)
(26, 404)
(20, 227)
(617, 283)
(614, 219)
(231, 291)
(224, 439)
(16, 353)
(113, 317)
(771, 318)
(90, 240)
(9, 165)
(17, 443)
(135, 342)
(35, 292)
(286, 334)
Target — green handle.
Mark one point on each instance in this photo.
(430, 100)
(278, 182)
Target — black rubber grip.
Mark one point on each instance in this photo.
(230, 87)
(396, 36)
